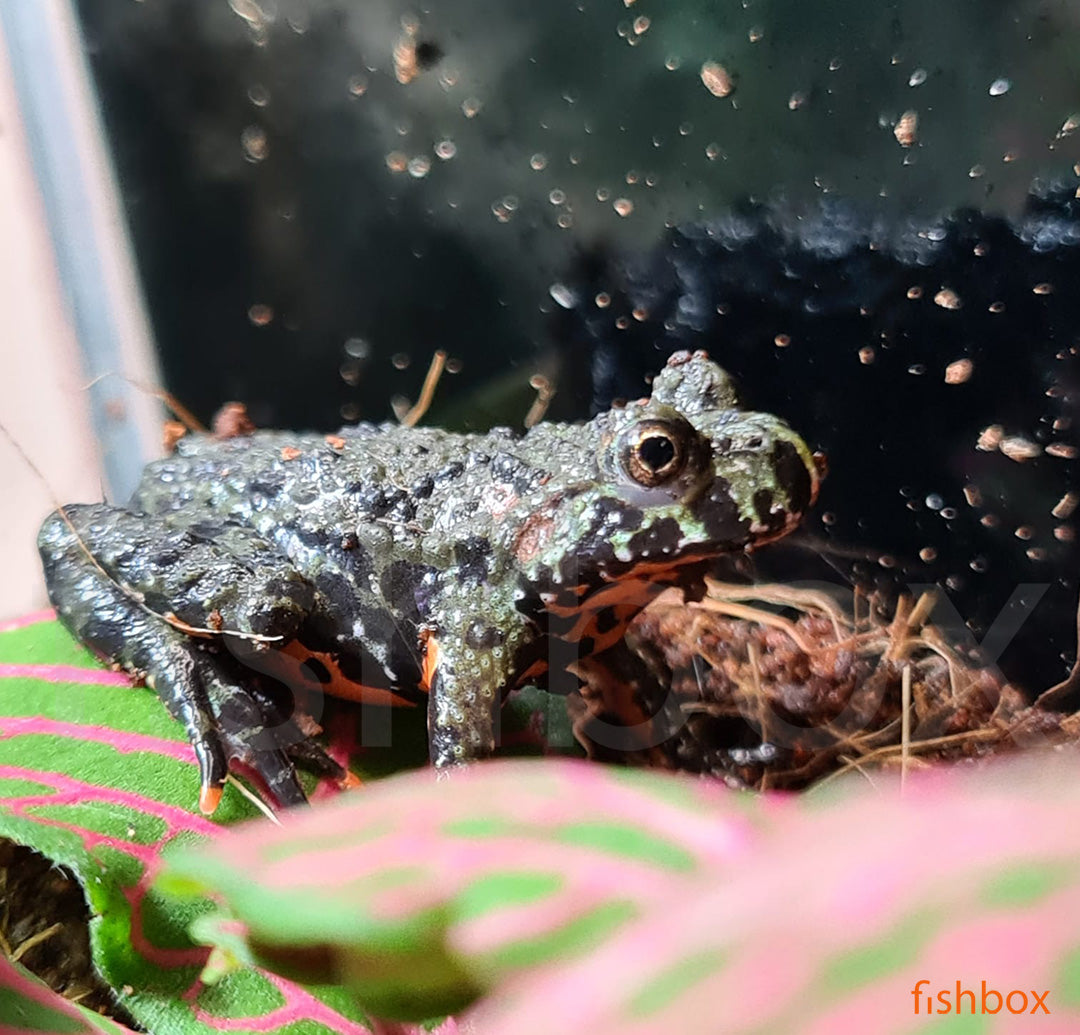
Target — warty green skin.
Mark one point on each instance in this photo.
(372, 544)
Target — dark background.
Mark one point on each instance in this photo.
(251, 140)
(309, 229)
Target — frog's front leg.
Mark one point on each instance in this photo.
(161, 602)
(468, 663)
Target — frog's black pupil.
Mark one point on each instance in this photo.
(656, 452)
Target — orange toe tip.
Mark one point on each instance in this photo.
(209, 799)
(350, 781)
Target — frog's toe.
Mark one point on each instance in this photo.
(256, 730)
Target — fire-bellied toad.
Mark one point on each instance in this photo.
(411, 561)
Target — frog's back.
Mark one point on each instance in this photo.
(278, 472)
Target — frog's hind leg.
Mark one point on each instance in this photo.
(102, 577)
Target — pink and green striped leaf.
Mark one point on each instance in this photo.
(97, 777)
(29, 1007)
(426, 892)
(579, 898)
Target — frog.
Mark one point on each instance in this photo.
(411, 565)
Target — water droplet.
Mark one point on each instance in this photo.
(255, 144)
(906, 129)
(470, 107)
(557, 197)
(259, 95)
(716, 79)
(358, 85)
(400, 360)
(445, 149)
(999, 87)
(397, 161)
(917, 78)
(562, 295)
(934, 501)
(260, 315)
(419, 167)
(358, 348)
(672, 62)
(603, 194)
(538, 161)
(959, 371)
(623, 206)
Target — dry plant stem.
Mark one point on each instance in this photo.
(754, 614)
(37, 939)
(427, 392)
(179, 410)
(805, 600)
(888, 753)
(905, 724)
(545, 392)
(1070, 684)
(255, 800)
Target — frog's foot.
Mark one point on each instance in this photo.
(232, 713)
(252, 726)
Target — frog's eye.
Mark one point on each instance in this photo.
(654, 452)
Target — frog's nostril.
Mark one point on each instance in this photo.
(755, 442)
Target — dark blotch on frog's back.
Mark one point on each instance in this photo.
(448, 473)
(406, 587)
(482, 636)
(268, 483)
(473, 558)
(513, 471)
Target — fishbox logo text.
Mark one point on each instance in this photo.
(987, 1000)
